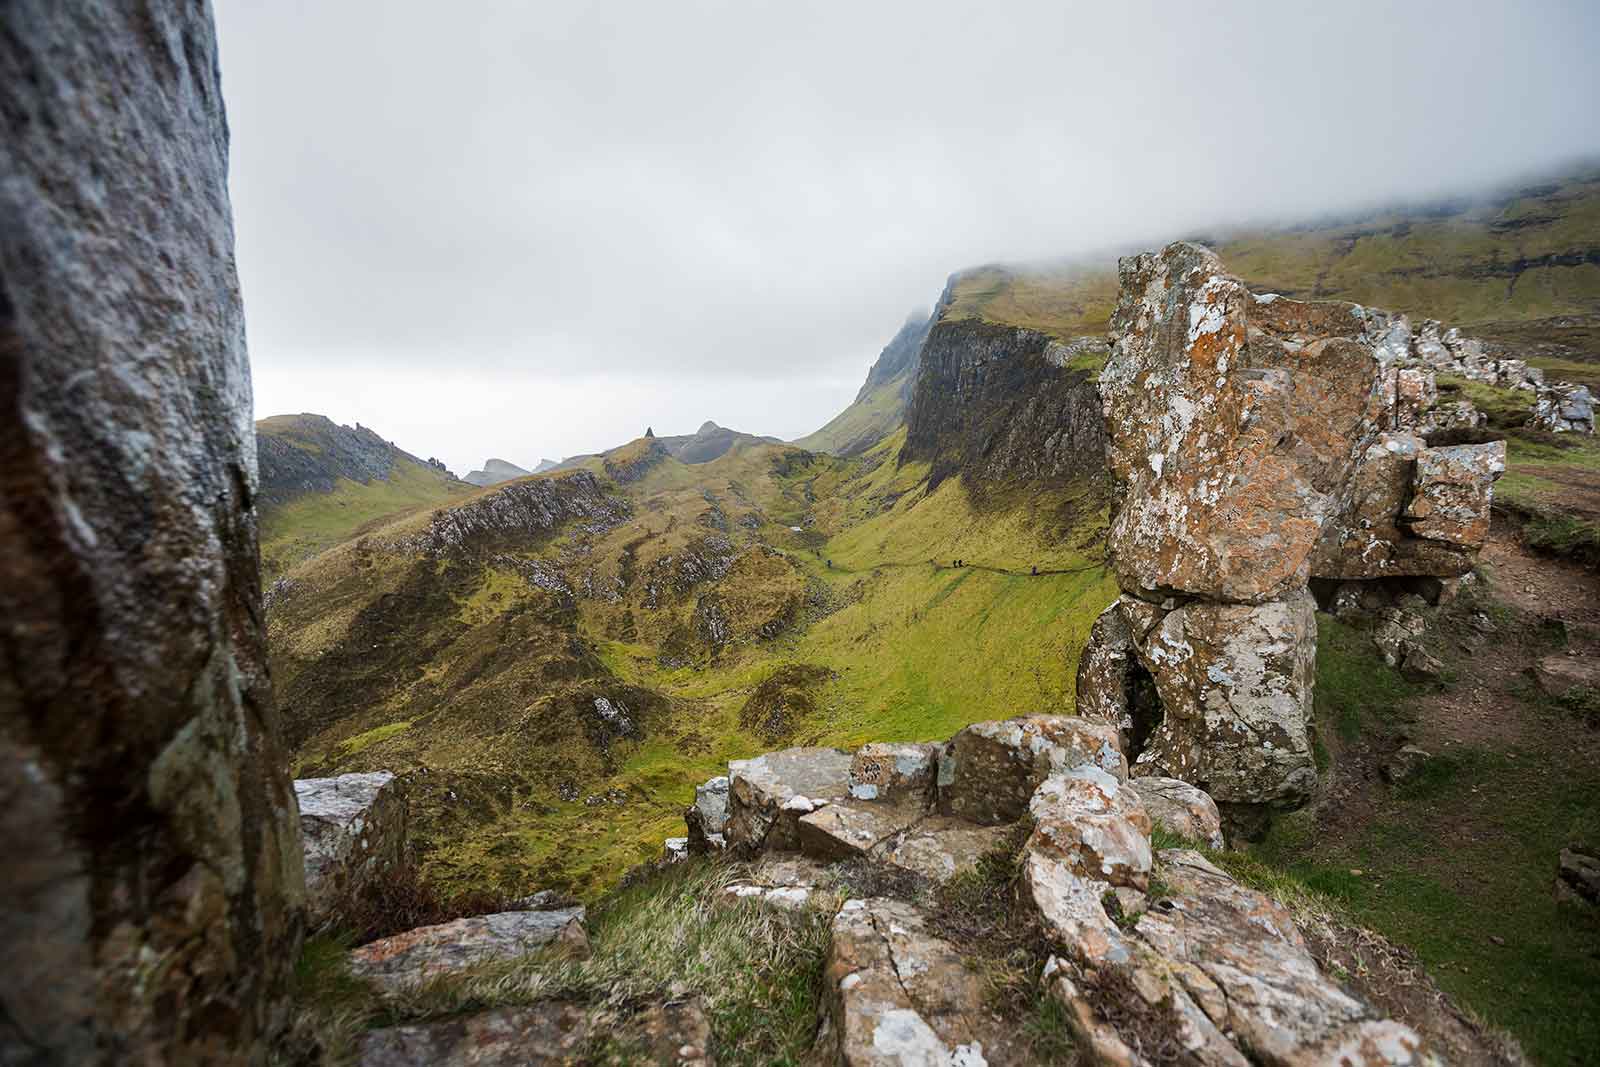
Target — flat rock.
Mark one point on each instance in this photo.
(784, 881)
(768, 794)
(1578, 876)
(429, 951)
(353, 831)
(939, 847)
(893, 771)
(1182, 808)
(898, 995)
(988, 771)
(849, 828)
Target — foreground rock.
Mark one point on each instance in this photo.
(767, 795)
(151, 901)
(707, 817)
(1259, 442)
(430, 951)
(548, 1034)
(1578, 876)
(1181, 809)
(353, 833)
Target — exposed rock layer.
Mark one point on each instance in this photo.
(150, 909)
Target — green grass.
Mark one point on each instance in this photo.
(1456, 857)
(309, 524)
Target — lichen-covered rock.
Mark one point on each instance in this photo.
(1562, 407)
(988, 771)
(1093, 824)
(1235, 683)
(1450, 492)
(429, 951)
(150, 909)
(898, 995)
(767, 795)
(902, 771)
(1182, 808)
(708, 816)
(353, 833)
(939, 848)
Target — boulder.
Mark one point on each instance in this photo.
(1181, 808)
(768, 794)
(849, 828)
(1093, 825)
(939, 848)
(1562, 407)
(353, 834)
(1560, 673)
(429, 951)
(152, 898)
(897, 994)
(893, 771)
(707, 817)
(988, 771)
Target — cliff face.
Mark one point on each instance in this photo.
(880, 405)
(151, 905)
(1000, 404)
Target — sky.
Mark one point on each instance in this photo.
(514, 229)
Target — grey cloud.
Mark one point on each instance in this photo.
(693, 204)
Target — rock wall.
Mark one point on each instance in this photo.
(1258, 442)
(151, 904)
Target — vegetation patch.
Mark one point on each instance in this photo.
(784, 702)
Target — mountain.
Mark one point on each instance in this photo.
(707, 443)
(321, 482)
(496, 471)
(880, 405)
(1519, 268)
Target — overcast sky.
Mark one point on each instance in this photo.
(525, 229)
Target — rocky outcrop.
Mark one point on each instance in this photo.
(709, 442)
(1158, 957)
(150, 910)
(707, 816)
(1259, 443)
(520, 511)
(996, 404)
(1564, 408)
(427, 952)
(303, 454)
(353, 834)
(1578, 876)
(496, 471)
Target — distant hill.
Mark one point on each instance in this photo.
(494, 472)
(704, 445)
(321, 482)
(1519, 268)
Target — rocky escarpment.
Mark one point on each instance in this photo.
(880, 405)
(1259, 443)
(1154, 955)
(150, 909)
(301, 454)
(998, 405)
(520, 514)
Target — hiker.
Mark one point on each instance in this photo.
(1036, 570)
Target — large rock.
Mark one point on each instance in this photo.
(898, 995)
(767, 795)
(893, 771)
(1578, 876)
(1450, 493)
(150, 910)
(353, 833)
(940, 848)
(988, 771)
(430, 951)
(1181, 808)
(850, 828)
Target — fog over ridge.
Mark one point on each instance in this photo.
(525, 230)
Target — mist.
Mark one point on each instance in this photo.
(531, 230)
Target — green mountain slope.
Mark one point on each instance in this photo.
(322, 482)
(1520, 269)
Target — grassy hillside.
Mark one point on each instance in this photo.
(323, 483)
(831, 576)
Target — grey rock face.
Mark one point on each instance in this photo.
(353, 833)
(1564, 408)
(988, 771)
(708, 815)
(429, 951)
(521, 509)
(151, 905)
